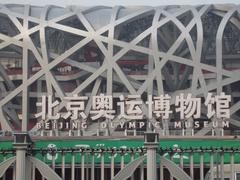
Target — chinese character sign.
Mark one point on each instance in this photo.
(221, 104)
(188, 107)
(131, 107)
(102, 106)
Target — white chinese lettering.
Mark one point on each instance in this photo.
(209, 102)
(43, 105)
(221, 103)
(50, 106)
(75, 107)
(102, 107)
(188, 106)
(162, 106)
(133, 104)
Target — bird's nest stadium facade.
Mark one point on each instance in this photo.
(116, 51)
(80, 72)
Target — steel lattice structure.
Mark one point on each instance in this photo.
(115, 50)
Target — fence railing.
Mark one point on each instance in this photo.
(104, 163)
(180, 132)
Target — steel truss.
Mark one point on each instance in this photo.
(181, 43)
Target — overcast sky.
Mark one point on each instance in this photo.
(117, 2)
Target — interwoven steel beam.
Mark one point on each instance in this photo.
(178, 41)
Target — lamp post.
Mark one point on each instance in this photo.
(22, 141)
(151, 142)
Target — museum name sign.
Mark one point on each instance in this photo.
(132, 107)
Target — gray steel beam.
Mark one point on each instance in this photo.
(109, 69)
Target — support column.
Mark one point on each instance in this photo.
(151, 164)
(151, 142)
(21, 142)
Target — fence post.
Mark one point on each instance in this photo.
(151, 142)
(21, 143)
